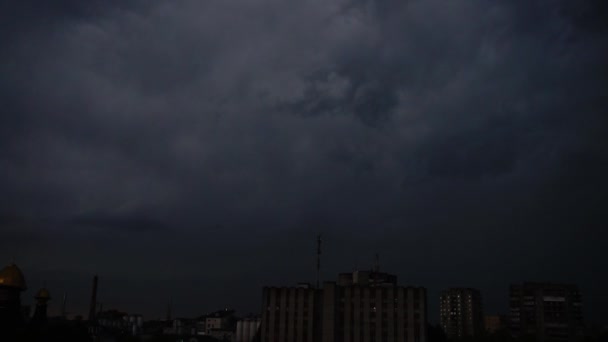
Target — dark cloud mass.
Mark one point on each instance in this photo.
(192, 149)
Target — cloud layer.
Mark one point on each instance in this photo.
(191, 144)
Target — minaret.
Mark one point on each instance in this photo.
(40, 317)
(93, 304)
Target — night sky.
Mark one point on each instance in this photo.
(192, 150)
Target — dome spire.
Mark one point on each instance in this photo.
(11, 276)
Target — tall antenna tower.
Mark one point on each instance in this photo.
(318, 258)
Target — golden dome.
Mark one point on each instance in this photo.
(43, 294)
(11, 276)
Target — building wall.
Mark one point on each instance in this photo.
(212, 323)
(352, 313)
(461, 312)
(288, 314)
(222, 335)
(374, 313)
(246, 329)
(547, 312)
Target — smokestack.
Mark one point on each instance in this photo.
(93, 305)
(318, 258)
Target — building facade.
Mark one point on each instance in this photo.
(461, 313)
(289, 314)
(247, 329)
(546, 312)
(219, 325)
(219, 320)
(361, 307)
(117, 322)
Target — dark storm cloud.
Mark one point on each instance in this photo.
(23, 18)
(15, 232)
(134, 224)
(235, 131)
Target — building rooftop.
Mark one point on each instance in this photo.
(367, 278)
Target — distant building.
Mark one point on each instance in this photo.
(114, 321)
(362, 306)
(247, 328)
(180, 327)
(219, 320)
(222, 334)
(494, 323)
(547, 312)
(461, 313)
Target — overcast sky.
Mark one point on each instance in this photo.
(192, 150)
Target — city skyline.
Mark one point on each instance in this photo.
(191, 151)
(434, 299)
(369, 305)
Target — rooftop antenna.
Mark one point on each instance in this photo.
(318, 258)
